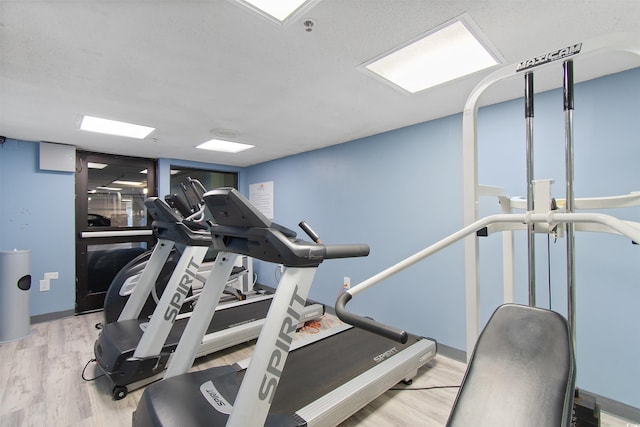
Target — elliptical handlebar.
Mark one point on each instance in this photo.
(197, 188)
(198, 191)
(367, 323)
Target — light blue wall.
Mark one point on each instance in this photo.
(401, 191)
(37, 213)
(398, 192)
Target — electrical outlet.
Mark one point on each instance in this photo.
(346, 284)
(45, 285)
(281, 268)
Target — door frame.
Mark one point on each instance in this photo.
(86, 300)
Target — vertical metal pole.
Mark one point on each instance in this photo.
(568, 123)
(528, 113)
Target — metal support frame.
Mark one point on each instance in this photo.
(509, 205)
(611, 43)
(567, 85)
(531, 246)
(509, 221)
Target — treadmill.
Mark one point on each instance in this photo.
(327, 377)
(134, 351)
(191, 207)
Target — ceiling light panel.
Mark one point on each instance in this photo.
(279, 11)
(109, 188)
(113, 127)
(129, 183)
(93, 165)
(224, 146)
(448, 53)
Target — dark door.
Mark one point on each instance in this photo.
(112, 225)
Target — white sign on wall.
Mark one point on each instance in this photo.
(261, 196)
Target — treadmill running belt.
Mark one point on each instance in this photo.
(118, 340)
(309, 373)
(317, 369)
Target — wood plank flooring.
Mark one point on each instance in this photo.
(41, 384)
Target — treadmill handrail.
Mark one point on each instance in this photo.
(241, 228)
(366, 323)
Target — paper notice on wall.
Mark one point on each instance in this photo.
(261, 196)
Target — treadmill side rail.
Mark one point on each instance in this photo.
(336, 406)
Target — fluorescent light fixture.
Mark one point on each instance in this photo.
(278, 10)
(109, 188)
(451, 51)
(129, 183)
(93, 165)
(224, 146)
(113, 127)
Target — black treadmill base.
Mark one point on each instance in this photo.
(201, 398)
(149, 413)
(117, 342)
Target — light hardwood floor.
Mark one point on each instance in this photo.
(41, 384)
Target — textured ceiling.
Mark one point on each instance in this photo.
(188, 67)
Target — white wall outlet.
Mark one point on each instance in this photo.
(51, 276)
(45, 285)
(346, 284)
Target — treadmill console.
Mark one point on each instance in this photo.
(241, 228)
(167, 224)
